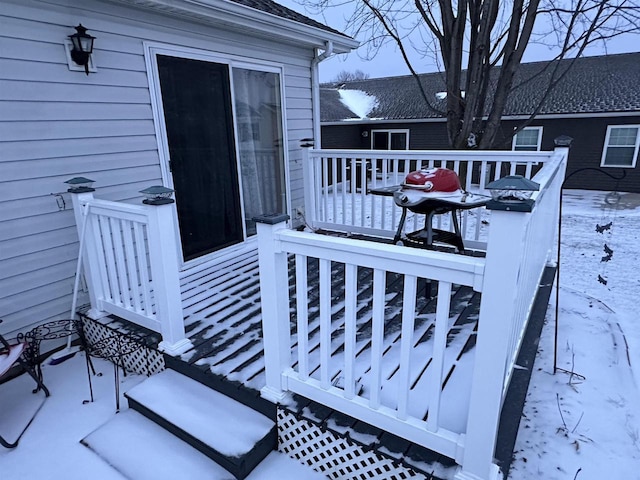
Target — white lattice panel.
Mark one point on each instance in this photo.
(144, 361)
(335, 456)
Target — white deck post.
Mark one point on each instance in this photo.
(563, 144)
(497, 308)
(274, 294)
(163, 258)
(80, 198)
(308, 173)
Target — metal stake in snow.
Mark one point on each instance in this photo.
(69, 351)
(598, 229)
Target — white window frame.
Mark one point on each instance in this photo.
(606, 147)
(390, 131)
(539, 144)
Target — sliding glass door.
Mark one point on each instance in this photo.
(224, 147)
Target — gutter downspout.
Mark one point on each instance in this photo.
(315, 89)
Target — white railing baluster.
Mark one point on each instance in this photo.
(351, 297)
(363, 192)
(107, 240)
(302, 309)
(375, 201)
(439, 345)
(325, 190)
(117, 226)
(334, 188)
(527, 170)
(406, 344)
(132, 270)
(143, 268)
(343, 187)
(99, 269)
(325, 323)
(377, 337)
(354, 188)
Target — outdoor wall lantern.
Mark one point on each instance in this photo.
(82, 47)
(80, 185)
(157, 195)
(512, 193)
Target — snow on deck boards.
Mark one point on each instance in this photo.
(223, 320)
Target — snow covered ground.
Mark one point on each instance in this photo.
(584, 426)
(587, 426)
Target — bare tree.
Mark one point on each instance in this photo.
(469, 38)
(345, 76)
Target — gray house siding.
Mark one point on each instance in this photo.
(586, 151)
(56, 124)
(588, 135)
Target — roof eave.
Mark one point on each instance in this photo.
(225, 12)
(542, 116)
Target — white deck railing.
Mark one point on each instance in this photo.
(338, 183)
(130, 261)
(518, 249)
(312, 370)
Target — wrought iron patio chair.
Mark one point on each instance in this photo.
(11, 355)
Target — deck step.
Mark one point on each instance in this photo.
(233, 435)
(230, 388)
(139, 449)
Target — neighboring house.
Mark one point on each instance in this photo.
(597, 104)
(250, 65)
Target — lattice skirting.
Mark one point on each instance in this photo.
(144, 361)
(335, 456)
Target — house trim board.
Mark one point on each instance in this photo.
(221, 12)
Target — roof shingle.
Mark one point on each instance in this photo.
(601, 84)
(269, 6)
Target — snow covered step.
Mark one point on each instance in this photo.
(140, 449)
(233, 435)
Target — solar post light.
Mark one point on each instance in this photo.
(157, 195)
(512, 193)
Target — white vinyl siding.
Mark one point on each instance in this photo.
(621, 146)
(529, 139)
(56, 124)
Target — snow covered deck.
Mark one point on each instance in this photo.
(419, 343)
(223, 322)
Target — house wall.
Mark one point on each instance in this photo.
(586, 151)
(56, 124)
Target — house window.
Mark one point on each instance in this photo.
(621, 146)
(390, 139)
(528, 139)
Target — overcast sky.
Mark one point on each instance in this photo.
(388, 62)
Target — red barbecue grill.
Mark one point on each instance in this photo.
(435, 191)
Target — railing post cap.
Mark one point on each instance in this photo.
(271, 218)
(80, 185)
(563, 141)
